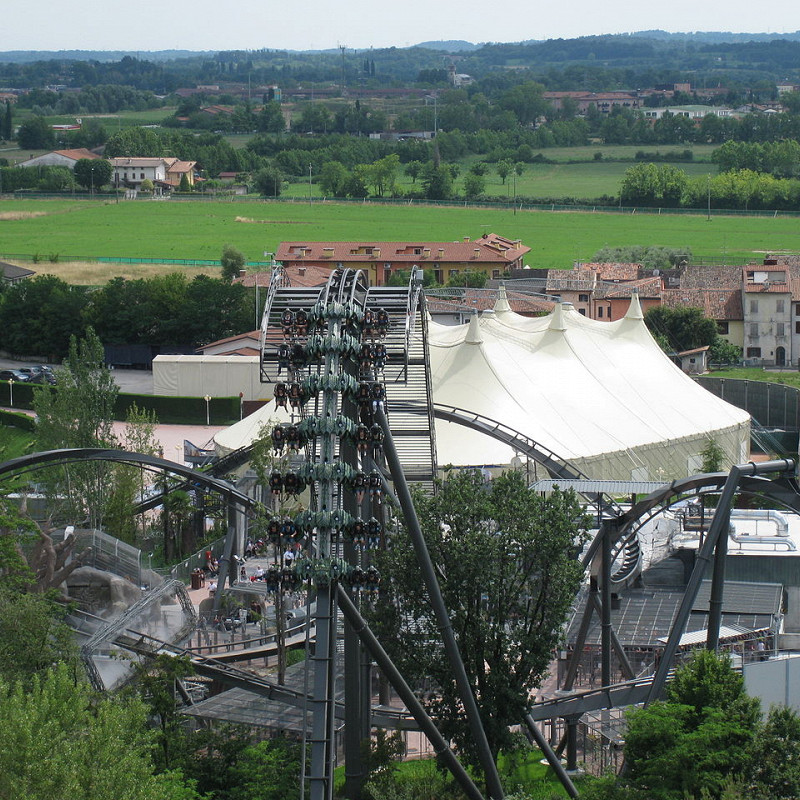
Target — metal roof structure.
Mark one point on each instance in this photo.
(645, 615)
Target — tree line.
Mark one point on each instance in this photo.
(39, 315)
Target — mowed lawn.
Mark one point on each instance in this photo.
(179, 229)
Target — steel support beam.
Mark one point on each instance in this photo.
(412, 703)
(440, 610)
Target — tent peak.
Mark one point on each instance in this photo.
(502, 304)
(474, 333)
(635, 308)
(557, 321)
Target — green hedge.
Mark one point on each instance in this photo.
(181, 410)
(22, 392)
(169, 410)
(17, 420)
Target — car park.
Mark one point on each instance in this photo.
(39, 373)
(16, 375)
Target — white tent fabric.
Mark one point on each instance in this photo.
(247, 430)
(601, 395)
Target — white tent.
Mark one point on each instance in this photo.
(601, 395)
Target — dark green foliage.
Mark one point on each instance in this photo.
(775, 758)
(33, 636)
(93, 172)
(35, 134)
(724, 352)
(649, 256)
(506, 560)
(58, 740)
(682, 328)
(232, 261)
(698, 738)
(7, 126)
(268, 770)
(39, 315)
(268, 182)
(79, 413)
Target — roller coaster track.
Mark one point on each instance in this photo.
(29, 463)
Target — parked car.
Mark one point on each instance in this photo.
(16, 375)
(39, 373)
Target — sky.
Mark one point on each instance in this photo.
(322, 24)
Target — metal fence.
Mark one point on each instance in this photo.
(184, 569)
(772, 404)
(110, 554)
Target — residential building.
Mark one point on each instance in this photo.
(693, 112)
(60, 158)
(603, 290)
(768, 314)
(491, 254)
(605, 102)
(11, 273)
(164, 173)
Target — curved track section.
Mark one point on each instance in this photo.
(35, 461)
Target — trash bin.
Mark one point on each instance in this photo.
(197, 580)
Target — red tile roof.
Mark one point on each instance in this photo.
(718, 304)
(613, 271)
(299, 275)
(646, 287)
(488, 248)
(484, 300)
(77, 153)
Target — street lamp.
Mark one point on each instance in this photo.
(91, 178)
(11, 392)
(207, 398)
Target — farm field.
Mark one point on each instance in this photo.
(588, 179)
(84, 230)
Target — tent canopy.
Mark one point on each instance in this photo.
(602, 395)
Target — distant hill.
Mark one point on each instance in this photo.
(27, 56)
(449, 46)
(715, 37)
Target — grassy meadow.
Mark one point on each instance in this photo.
(83, 230)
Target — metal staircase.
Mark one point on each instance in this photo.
(406, 374)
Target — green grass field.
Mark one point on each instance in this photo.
(591, 179)
(81, 229)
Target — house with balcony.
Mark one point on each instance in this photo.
(164, 173)
(490, 254)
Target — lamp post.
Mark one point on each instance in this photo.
(207, 398)
(91, 179)
(309, 184)
(11, 392)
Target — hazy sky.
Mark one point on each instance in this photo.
(319, 24)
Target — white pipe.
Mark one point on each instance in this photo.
(768, 515)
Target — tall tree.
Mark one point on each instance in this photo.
(93, 173)
(78, 412)
(232, 261)
(682, 328)
(508, 571)
(35, 134)
(7, 129)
